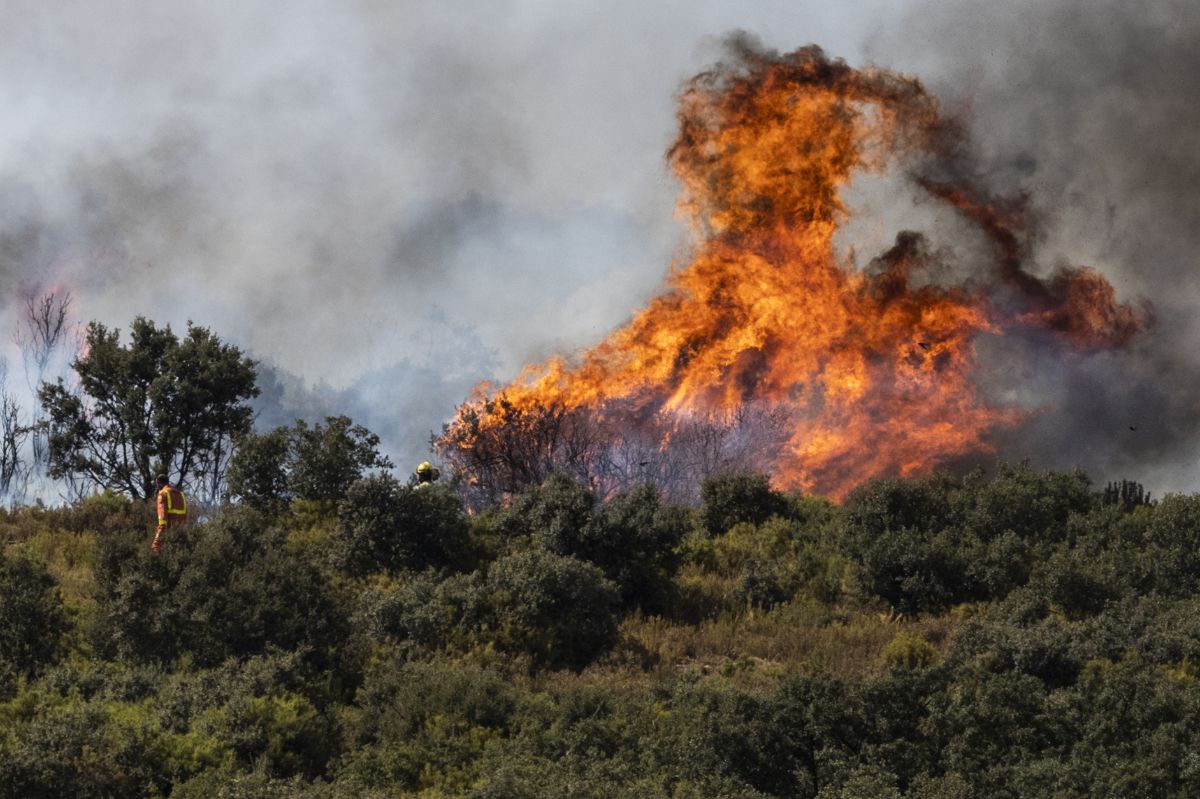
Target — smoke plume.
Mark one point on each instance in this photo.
(389, 201)
(1090, 111)
(873, 372)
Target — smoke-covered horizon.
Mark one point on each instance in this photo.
(1090, 112)
(386, 203)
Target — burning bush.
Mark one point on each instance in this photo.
(500, 449)
(768, 336)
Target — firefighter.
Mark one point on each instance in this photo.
(172, 510)
(426, 474)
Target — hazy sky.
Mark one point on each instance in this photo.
(347, 187)
(311, 182)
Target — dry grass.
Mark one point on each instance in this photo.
(796, 638)
(68, 558)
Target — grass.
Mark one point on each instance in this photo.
(800, 637)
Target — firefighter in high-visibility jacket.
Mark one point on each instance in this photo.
(172, 509)
(427, 473)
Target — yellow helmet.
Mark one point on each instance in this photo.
(426, 466)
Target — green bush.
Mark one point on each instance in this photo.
(864, 782)
(787, 742)
(426, 610)
(730, 499)
(633, 537)
(280, 733)
(918, 572)
(72, 748)
(1082, 580)
(1033, 505)
(415, 723)
(385, 526)
(893, 506)
(317, 463)
(1172, 542)
(905, 651)
(230, 588)
(557, 512)
(988, 722)
(777, 560)
(924, 545)
(559, 610)
(32, 620)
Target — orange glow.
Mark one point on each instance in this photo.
(871, 370)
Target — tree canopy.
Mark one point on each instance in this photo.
(302, 462)
(158, 403)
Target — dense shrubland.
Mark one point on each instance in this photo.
(1018, 634)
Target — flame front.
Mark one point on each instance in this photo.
(871, 370)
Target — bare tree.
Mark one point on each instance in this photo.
(208, 485)
(40, 334)
(44, 328)
(498, 449)
(14, 472)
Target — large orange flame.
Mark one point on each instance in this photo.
(870, 370)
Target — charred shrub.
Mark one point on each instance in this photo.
(385, 526)
(732, 498)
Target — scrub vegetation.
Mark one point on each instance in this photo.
(1014, 634)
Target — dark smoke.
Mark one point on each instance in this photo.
(1091, 110)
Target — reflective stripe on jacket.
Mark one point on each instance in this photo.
(172, 507)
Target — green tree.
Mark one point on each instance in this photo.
(302, 462)
(328, 458)
(157, 403)
(258, 472)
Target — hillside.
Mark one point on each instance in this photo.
(1019, 634)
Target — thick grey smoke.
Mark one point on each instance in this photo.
(343, 188)
(1093, 111)
(388, 201)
